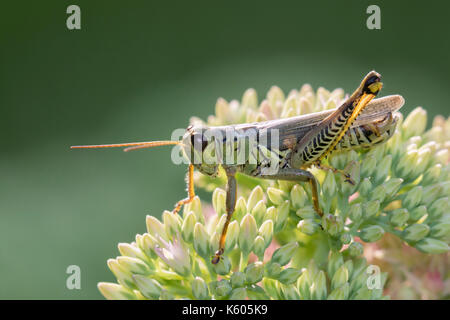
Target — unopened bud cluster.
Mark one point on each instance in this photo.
(277, 247)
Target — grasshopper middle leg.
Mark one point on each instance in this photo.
(230, 205)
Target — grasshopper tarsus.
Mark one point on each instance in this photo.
(217, 256)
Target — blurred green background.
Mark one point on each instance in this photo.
(139, 69)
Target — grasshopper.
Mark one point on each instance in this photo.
(300, 142)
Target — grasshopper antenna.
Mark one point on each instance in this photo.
(130, 146)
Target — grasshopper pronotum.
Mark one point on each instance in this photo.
(300, 142)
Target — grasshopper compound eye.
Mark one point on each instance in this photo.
(199, 141)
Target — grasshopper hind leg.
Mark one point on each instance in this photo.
(291, 174)
(344, 173)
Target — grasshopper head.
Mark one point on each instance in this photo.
(200, 150)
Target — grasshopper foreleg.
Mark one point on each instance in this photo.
(190, 187)
(230, 205)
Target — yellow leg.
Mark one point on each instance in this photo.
(190, 187)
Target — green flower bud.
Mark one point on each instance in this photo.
(199, 289)
(355, 212)
(338, 293)
(149, 288)
(201, 240)
(232, 236)
(155, 227)
(247, 233)
(355, 249)
(259, 211)
(359, 281)
(238, 294)
(383, 169)
(194, 206)
(398, 217)
(335, 261)
(392, 186)
(422, 161)
(340, 277)
(442, 156)
(283, 213)
(432, 174)
(329, 186)
(346, 238)
(441, 229)
(416, 232)
(289, 275)
(290, 292)
(256, 195)
(123, 275)
(368, 166)
(114, 291)
(430, 194)
(222, 109)
(308, 226)
(298, 196)
(306, 212)
(237, 279)
(277, 196)
(406, 163)
(214, 242)
(187, 229)
(349, 265)
(223, 288)
(413, 197)
(332, 224)
(218, 200)
(439, 207)
(274, 95)
(129, 250)
(415, 123)
(378, 193)
(250, 99)
(363, 294)
(223, 267)
(171, 223)
(319, 287)
(240, 209)
(271, 214)
(418, 213)
(370, 209)
(266, 231)
(303, 286)
(133, 265)
(284, 254)
(371, 233)
(259, 247)
(365, 187)
(254, 272)
(273, 269)
(430, 245)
